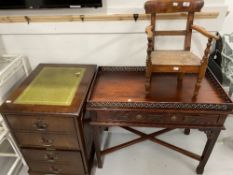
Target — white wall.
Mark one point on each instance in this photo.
(102, 43)
(228, 23)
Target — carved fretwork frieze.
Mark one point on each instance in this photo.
(123, 69)
(209, 132)
(152, 105)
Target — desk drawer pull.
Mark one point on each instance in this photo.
(139, 116)
(173, 118)
(40, 125)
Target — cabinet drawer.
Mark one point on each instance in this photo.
(59, 141)
(42, 123)
(75, 168)
(158, 118)
(51, 156)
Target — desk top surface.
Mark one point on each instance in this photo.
(124, 88)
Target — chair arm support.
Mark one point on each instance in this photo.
(149, 32)
(204, 32)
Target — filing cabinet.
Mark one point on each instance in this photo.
(47, 118)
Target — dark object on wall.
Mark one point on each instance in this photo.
(38, 4)
(215, 59)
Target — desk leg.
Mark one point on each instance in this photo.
(186, 131)
(212, 136)
(96, 133)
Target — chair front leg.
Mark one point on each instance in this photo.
(197, 86)
(148, 77)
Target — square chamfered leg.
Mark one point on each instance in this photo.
(96, 133)
(212, 136)
(186, 131)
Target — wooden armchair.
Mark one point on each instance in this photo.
(179, 62)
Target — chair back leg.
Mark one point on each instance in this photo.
(204, 64)
(180, 79)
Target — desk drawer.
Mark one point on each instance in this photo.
(42, 123)
(158, 118)
(74, 168)
(58, 141)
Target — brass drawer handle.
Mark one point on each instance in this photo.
(46, 142)
(173, 118)
(40, 125)
(50, 157)
(55, 170)
(139, 116)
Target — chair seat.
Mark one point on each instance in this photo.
(174, 58)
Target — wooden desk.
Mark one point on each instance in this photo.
(117, 98)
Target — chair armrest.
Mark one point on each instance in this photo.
(149, 32)
(204, 32)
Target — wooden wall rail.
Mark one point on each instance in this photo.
(116, 17)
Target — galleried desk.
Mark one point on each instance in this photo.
(117, 98)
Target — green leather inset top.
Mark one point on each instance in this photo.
(52, 86)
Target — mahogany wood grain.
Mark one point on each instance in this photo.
(117, 99)
(65, 157)
(128, 87)
(55, 141)
(56, 168)
(42, 123)
(39, 129)
(160, 119)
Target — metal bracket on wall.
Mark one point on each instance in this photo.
(135, 16)
(27, 19)
(82, 18)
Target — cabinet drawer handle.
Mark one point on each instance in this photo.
(46, 142)
(55, 170)
(40, 126)
(50, 157)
